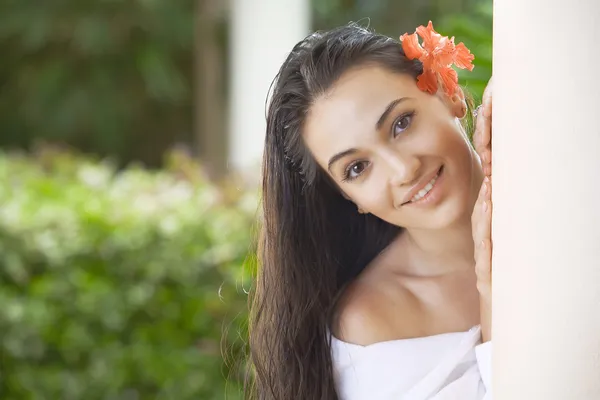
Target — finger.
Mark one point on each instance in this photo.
(483, 143)
(477, 136)
(487, 165)
(486, 156)
(482, 139)
(488, 98)
(483, 265)
(484, 224)
(487, 170)
(476, 215)
(483, 131)
(486, 115)
(483, 253)
(486, 128)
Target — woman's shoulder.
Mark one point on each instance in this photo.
(374, 311)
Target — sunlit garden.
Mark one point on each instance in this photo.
(125, 261)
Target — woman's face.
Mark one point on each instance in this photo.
(395, 151)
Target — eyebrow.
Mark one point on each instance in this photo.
(339, 155)
(390, 107)
(388, 110)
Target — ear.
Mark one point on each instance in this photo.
(458, 103)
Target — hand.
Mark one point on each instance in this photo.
(482, 137)
(481, 221)
(481, 218)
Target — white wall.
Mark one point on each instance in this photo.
(263, 33)
(546, 194)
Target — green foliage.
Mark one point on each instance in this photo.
(475, 30)
(108, 76)
(118, 284)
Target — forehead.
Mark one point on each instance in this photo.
(349, 111)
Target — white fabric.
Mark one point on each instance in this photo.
(441, 367)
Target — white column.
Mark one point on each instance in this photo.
(546, 194)
(263, 33)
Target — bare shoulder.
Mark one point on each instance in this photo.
(372, 312)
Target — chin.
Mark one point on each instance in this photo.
(454, 211)
(451, 212)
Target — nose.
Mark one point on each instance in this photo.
(403, 169)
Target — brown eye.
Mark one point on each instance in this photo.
(403, 123)
(354, 170)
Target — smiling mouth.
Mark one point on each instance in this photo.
(426, 189)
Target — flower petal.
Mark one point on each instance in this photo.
(430, 37)
(437, 53)
(428, 82)
(449, 79)
(410, 45)
(429, 62)
(445, 52)
(463, 57)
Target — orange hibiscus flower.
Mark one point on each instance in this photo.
(438, 53)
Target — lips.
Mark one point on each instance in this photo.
(423, 187)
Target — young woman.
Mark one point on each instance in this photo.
(374, 279)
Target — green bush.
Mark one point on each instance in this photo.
(118, 284)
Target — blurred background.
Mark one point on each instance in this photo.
(130, 140)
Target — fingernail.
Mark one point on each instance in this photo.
(485, 188)
(486, 180)
(485, 206)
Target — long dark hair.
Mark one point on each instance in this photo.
(313, 240)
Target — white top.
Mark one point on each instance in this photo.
(440, 367)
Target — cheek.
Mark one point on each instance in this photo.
(373, 195)
(464, 167)
(448, 140)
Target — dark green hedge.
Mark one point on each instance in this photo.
(118, 285)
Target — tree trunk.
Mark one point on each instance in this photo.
(210, 136)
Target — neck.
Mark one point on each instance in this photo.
(429, 253)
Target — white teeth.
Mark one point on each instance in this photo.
(425, 190)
